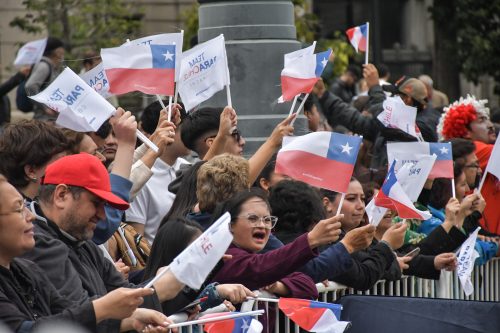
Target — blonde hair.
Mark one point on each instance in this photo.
(219, 179)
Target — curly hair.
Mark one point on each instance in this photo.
(297, 205)
(219, 179)
(455, 120)
(28, 142)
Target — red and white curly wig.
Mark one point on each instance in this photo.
(458, 115)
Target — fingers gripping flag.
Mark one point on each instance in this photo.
(322, 159)
(313, 316)
(392, 196)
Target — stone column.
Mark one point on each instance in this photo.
(257, 34)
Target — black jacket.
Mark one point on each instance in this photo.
(337, 112)
(27, 298)
(4, 100)
(78, 269)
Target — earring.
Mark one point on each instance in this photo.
(34, 179)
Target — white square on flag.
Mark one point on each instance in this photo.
(493, 166)
(204, 72)
(193, 265)
(80, 107)
(31, 52)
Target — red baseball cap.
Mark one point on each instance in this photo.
(87, 171)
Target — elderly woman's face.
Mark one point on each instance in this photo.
(248, 236)
(16, 227)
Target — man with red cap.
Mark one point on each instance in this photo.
(72, 197)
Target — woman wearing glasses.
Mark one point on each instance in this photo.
(274, 270)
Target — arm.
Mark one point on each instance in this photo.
(300, 285)
(39, 76)
(337, 111)
(12, 83)
(330, 263)
(259, 160)
(228, 120)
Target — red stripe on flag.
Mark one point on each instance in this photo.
(291, 86)
(148, 80)
(404, 211)
(299, 311)
(350, 33)
(362, 44)
(442, 169)
(315, 170)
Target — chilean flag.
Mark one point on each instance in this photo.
(301, 73)
(146, 68)
(392, 196)
(313, 316)
(443, 167)
(321, 159)
(357, 36)
(245, 324)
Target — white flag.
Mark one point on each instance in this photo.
(493, 166)
(397, 114)
(96, 78)
(31, 52)
(80, 107)
(411, 176)
(466, 258)
(165, 39)
(204, 72)
(193, 265)
(290, 57)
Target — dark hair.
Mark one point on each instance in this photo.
(233, 205)
(151, 115)
(185, 197)
(495, 115)
(308, 104)
(198, 123)
(28, 142)
(47, 190)
(382, 69)
(441, 190)
(74, 139)
(52, 44)
(297, 206)
(170, 240)
(104, 130)
(461, 148)
(267, 171)
(90, 57)
(354, 70)
(369, 190)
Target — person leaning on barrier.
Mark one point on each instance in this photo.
(72, 198)
(27, 296)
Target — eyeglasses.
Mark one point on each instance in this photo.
(236, 135)
(23, 209)
(269, 221)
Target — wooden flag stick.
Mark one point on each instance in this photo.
(340, 204)
(300, 108)
(293, 105)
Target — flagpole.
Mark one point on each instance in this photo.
(218, 318)
(340, 204)
(367, 42)
(158, 97)
(146, 141)
(300, 108)
(293, 105)
(482, 181)
(453, 191)
(264, 299)
(169, 117)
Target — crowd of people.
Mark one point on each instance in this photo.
(88, 219)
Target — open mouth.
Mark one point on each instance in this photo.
(259, 235)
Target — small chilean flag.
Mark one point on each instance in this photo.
(443, 167)
(357, 36)
(300, 74)
(245, 324)
(321, 159)
(146, 68)
(313, 316)
(392, 196)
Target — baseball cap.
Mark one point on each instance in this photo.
(87, 171)
(409, 86)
